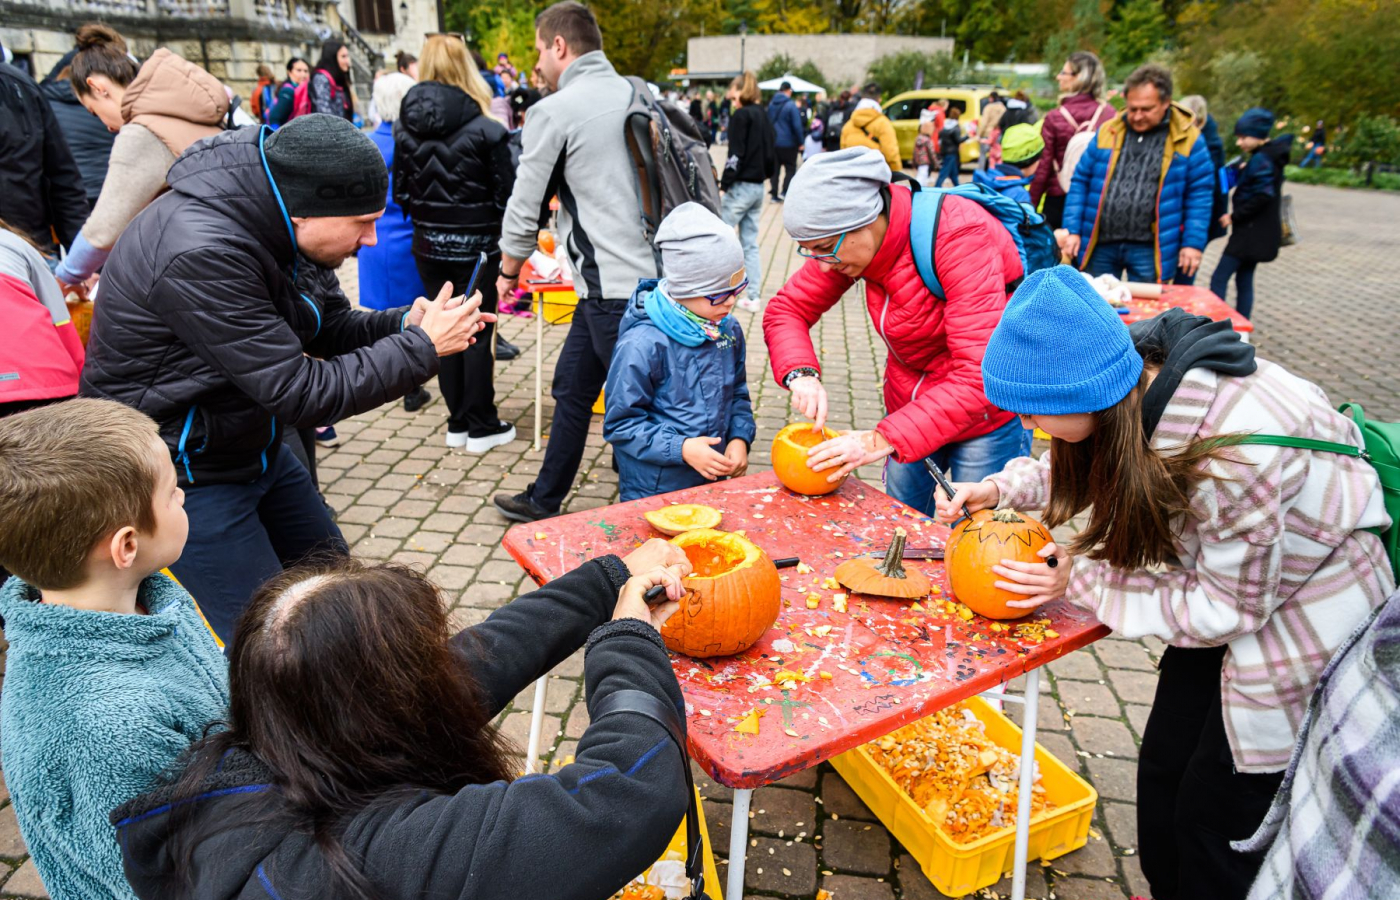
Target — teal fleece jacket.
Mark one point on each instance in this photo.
(95, 706)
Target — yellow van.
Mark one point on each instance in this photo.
(903, 111)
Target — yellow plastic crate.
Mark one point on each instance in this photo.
(958, 869)
(559, 307)
(676, 850)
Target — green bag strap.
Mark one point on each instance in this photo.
(1280, 440)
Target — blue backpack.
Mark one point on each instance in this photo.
(1033, 236)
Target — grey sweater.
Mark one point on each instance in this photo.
(580, 127)
(1130, 197)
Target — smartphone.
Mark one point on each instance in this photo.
(476, 272)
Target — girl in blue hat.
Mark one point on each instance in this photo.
(1252, 562)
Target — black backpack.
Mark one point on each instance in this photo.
(669, 160)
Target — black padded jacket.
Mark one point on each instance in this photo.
(453, 172)
(210, 322)
(88, 139)
(577, 833)
(40, 186)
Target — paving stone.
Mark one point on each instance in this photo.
(501, 571)
(852, 846)
(1115, 779)
(1134, 687)
(442, 521)
(1137, 717)
(790, 870)
(11, 843)
(1079, 666)
(376, 547)
(806, 779)
(839, 798)
(1107, 736)
(1124, 655)
(433, 542)
(516, 729)
(26, 883)
(464, 555)
(1087, 698)
(465, 616)
(1073, 888)
(558, 697)
(487, 596)
(1121, 819)
(1094, 858)
(849, 887)
(775, 809)
(483, 534)
(363, 515)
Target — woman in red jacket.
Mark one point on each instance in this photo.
(852, 223)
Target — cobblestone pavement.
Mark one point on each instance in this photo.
(1324, 310)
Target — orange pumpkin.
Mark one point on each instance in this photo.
(884, 578)
(679, 518)
(790, 460)
(975, 546)
(732, 595)
(546, 242)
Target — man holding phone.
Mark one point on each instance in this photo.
(222, 319)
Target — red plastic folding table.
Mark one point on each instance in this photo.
(880, 665)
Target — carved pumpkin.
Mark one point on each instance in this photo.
(974, 547)
(790, 460)
(884, 578)
(679, 518)
(732, 596)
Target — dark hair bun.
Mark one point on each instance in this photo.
(95, 34)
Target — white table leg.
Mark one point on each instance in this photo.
(1023, 799)
(738, 845)
(539, 361)
(532, 753)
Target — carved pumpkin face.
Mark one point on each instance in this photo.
(790, 460)
(974, 547)
(732, 595)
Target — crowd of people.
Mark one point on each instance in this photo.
(197, 735)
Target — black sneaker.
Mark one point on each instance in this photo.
(521, 507)
(416, 400)
(505, 350)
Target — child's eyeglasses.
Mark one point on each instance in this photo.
(828, 257)
(725, 296)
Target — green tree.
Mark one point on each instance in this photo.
(1087, 29)
(898, 72)
(1137, 29)
(783, 64)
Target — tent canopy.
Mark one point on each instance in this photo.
(798, 85)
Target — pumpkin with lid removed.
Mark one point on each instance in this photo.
(790, 448)
(977, 545)
(884, 578)
(679, 518)
(731, 595)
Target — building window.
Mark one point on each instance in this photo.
(375, 16)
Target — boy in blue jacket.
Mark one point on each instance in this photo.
(1021, 149)
(678, 410)
(111, 673)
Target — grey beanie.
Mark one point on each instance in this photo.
(700, 255)
(835, 192)
(324, 166)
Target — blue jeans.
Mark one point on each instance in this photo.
(1137, 258)
(741, 205)
(243, 534)
(1244, 282)
(969, 460)
(1312, 160)
(948, 169)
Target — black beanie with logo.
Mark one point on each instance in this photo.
(324, 166)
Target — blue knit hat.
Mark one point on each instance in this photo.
(1255, 122)
(1059, 349)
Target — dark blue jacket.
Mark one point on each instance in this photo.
(787, 121)
(388, 275)
(1211, 132)
(1255, 228)
(1005, 179)
(661, 392)
(1185, 194)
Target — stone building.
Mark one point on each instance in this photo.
(843, 58)
(229, 38)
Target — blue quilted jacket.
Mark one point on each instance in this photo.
(1184, 197)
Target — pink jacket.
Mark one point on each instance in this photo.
(1273, 559)
(1056, 132)
(40, 353)
(933, 376)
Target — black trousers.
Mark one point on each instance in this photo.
(1191, 801)
(1054, 211)
(578, 377)
(467, 379)
(787, 167)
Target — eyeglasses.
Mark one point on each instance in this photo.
(725, 296)
(828, 257)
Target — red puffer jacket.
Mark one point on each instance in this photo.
(933, 377)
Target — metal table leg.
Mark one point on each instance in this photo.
(738, 844)
(532, 752)
(1023, 800)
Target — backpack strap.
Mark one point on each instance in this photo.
(1298, 443)
(927, 207)
(644, 704)
(1073, 122)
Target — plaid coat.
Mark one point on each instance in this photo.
(1335, 823)
(1273, 561)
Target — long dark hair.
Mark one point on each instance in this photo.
(1137, 495)
(343, 682)
(328, 61)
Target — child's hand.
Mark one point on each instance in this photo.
(738, 455)
(632, 604)
(700, 455)
(1225, 221)
(1038, 582)
(974, 495)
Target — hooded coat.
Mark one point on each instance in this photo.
(787, 121)
(1256, 231)
(661, 392)
(88, 139)
(40, 351)
(212, 324)
(40, 186)
(933, 375)
(577, 833)
(872, 128)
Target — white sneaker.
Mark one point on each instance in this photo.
(486, 442)
(457, 439)
(750, 304)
